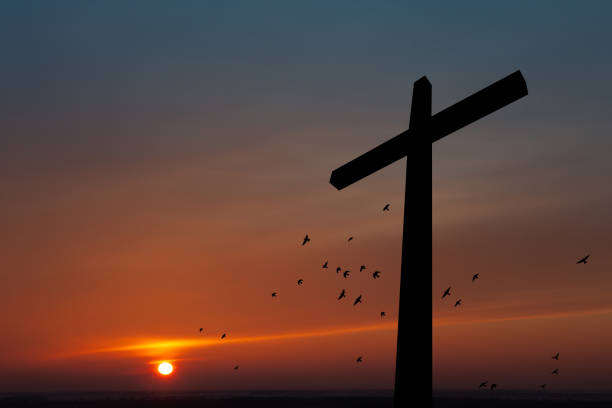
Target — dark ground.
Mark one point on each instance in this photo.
(303, 399)
(523, 399)
(199, 399)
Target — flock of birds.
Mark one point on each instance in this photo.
(342, 295)
(484, 384)
(493, 386)
(376, 275)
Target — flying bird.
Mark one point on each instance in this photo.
(382, 314)
(386, 207)
(361, 268)
(493, 386)
(446, 293)
(350, 239)
(555, 371)
(483, 384)
(346, 273)
(274, 294)
(338, 269)
(583, 260)
(457, 303)
(543, 386)
(342, 294)
(325, 265)
(300, 281)
(476, 276)
(358, 300)
(236, 367)
(556, 356)
(359, 359)
(223, 336)
(376, 274)
(306, 240)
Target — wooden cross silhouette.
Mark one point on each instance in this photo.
(415, 141)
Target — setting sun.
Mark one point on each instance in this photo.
(165, 368)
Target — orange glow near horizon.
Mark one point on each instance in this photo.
(155, 346)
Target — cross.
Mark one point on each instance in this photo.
(415, 140)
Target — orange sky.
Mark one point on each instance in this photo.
(160, 166)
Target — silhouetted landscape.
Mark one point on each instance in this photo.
(510, 399)
(302, 399)
(271, 399)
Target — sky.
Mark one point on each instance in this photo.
(161, 163)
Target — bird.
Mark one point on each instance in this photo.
(457, 303)
(493, 386)
(483, 384)
(306, 240)
(382, 314)
(338, 269)
(556, 356)
(346, 273)
(376, 274)
(236, 367)
(274, 294)
(350, 239)
(583, 260)
(201, 330)
(386, 207)
(361, 268)
(543, 386)
(446, 293)
(555, 371)
(476, 276)
(300, 281)
(359, 359)
(223, 336)
(325, 265)
(358, 300)
(342, 294)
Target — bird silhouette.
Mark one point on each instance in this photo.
(493, 386)
(346, 273)
(446, 293)
(555, 371)
(386, 207)
(342, 294)
(483, 384)
(376, 274)
(274, 294)
(325, 265)
(223, 336)
(306, 240)
(583, 260)
(236, 367)
(201, 330)
(350, 239)
(556, 356)
(300, 281)
(358, 300)
(382, 314)
(359, 359)
(457, 303)
(543, 386)
(361, 268)
(338, 269)
(476, 276)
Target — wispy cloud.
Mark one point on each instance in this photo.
(159, 345)
(441, 322)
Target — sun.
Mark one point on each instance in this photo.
(165, 368)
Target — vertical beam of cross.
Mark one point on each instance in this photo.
(418, 184)
(415, 144)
